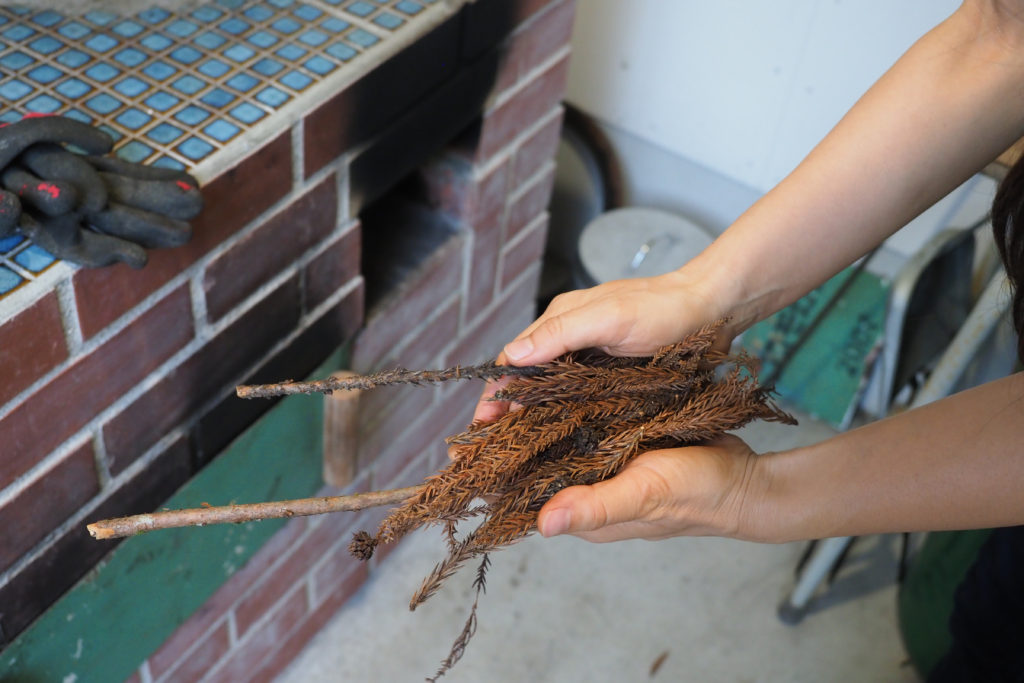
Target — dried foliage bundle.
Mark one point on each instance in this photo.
(583, 417)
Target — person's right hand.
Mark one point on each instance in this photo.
(623, 318)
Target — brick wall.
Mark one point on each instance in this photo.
(125, 390)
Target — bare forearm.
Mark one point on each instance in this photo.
(951, 104)
(954, 464)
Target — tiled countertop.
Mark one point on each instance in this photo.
(195, 89)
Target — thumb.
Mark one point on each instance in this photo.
(626, 497)
(552, 336)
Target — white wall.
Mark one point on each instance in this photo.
(744, 88)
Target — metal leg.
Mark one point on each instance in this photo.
(828, 552)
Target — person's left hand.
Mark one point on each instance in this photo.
(693, 491)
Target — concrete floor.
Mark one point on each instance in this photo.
(566, 610)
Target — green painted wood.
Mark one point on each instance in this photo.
(120, 613)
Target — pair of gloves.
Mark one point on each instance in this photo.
(90, 209)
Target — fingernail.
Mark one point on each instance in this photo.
(520, 348)
(556, 522)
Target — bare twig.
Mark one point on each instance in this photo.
(379, 379)
(247, 512)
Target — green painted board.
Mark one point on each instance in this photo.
(120, 613)
(827, 374)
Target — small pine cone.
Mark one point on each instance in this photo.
(362, 545)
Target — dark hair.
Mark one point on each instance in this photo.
(1008, 229)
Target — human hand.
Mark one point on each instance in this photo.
(622, 318)
(693, 491)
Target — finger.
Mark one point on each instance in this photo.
(574, 329)
(145, 228)
(17, 137)
(487, 409)
(51, 198)
(119, 166)
(53, 162)
(630, 496)
(172, 198)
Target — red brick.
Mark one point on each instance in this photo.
(31, 344)
(534, 42)
(529, 202)
(483, 269)
(270, 248)
(300, 637)
(81, 391)
(231, 201)
(275, 583)
(333, 268)
(43, 505)
(538, 149)
(530, 102)
(451, 185)
(264, 639)
(223, 360)
(210, 649)
(384, 441)
(334, 572)
(524, 252)
(423, 292)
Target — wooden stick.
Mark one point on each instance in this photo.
(247, 512)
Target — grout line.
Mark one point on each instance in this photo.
(68, 305)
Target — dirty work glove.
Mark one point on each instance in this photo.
(91, 209)
(10, 212)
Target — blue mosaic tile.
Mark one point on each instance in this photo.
(361, 9)
(131, 87)
(74, 30)
(234, 26)
(134, 151)
(194, 148)
(409, 7)
(313, 38)
(214, 68)
(43, 104)
(262, 39)
(9, 280)
(78, 115)
(114, 134)
(363, 38)
(73, 58)
(157, 42)
(47, 18)
(102, 103)
(186, 54)
(34, 258)
(159, 70)
(291, 52)
(168, 162)
(192, 115)
(18, 32)
(189, 84)
(209, 40)
(46, 45)
(267, 67)
(99, 17)
(231, 4)
(128, 29)
(101, 42)
(133, 118)
(286, 25)
(207, 14)
(281, 4)
(272, 96)
(16, 60)
(15, 90)
(341, 51)
(161, 101)
(307, 12)
(242, 82)
(238, 53)
(10, 242)
(165, 133)
(247, 113)
(221, 130)
(217, 98)
(258, 13)
(388, 20)
(320, 65)
(131, 57)
(9, 116)
(73, 88)
(295, 80)
(154, 15)
(44, 74)
(182, 28)
(101, 71)
(335, 25)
